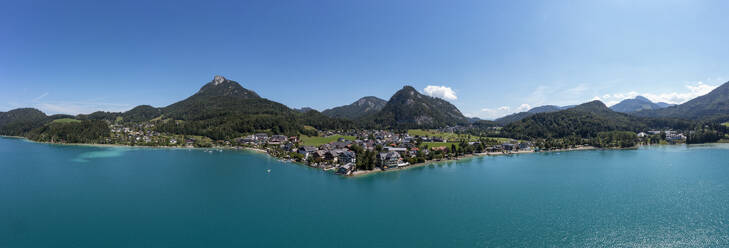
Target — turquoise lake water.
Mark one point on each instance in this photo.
(77, 196)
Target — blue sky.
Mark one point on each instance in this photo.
(489, 58)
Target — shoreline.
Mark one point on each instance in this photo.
(355, 174)
(468, 156)
(256, 150)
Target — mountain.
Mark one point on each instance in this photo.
(222, 97)
(474, 119)
(407, 108)
(222, 87)
(141, 113)
(223, 109)
(637, 104)
(521, 115)
(303, 109)
(585, 120)
(17, 122)
(362, 107)
(665, 105)
(712, 106)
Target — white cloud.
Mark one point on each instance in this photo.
(493, 113)
(441, 92)
(695, 90)
(523, 107)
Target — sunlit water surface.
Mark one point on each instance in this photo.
(79, 196)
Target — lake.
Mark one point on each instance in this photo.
(82, 196)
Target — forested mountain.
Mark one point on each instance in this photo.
(141, 113)
(99, 115)
(637, 104)
(17, 122)
(223, 109)
(712, 106)
(585, 121)
(223, 97)
(220, 86)
(407, 108)
(34, 124)
(521, 115)
(85, 131)
(362, 107)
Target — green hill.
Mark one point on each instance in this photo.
(637, 104)
(17, 122)
(362, 107)
(521, 115)
(586, 121)
(141, 113)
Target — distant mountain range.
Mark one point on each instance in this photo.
(584, 120)
(223, 109)
(360, 108)
(521, 115)
(712, 106)
(637, 104)
(626, 106)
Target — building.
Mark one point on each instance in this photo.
(507, 146)
(332, 155)
(347, 157)
(247, 139)
(524, 145)
(306, 150)
(277, 139)
(389, 159)
(345, 169)
(395, 149)
(261, 137)
(673, 137)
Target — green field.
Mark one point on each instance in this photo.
(726, 124)
(436, 133)
(317, 141)
(500, 139)
(65, 120)
(437, 144)
(449, 136)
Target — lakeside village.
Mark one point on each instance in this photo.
(360, 151)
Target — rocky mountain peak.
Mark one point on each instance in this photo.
(217, 80)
